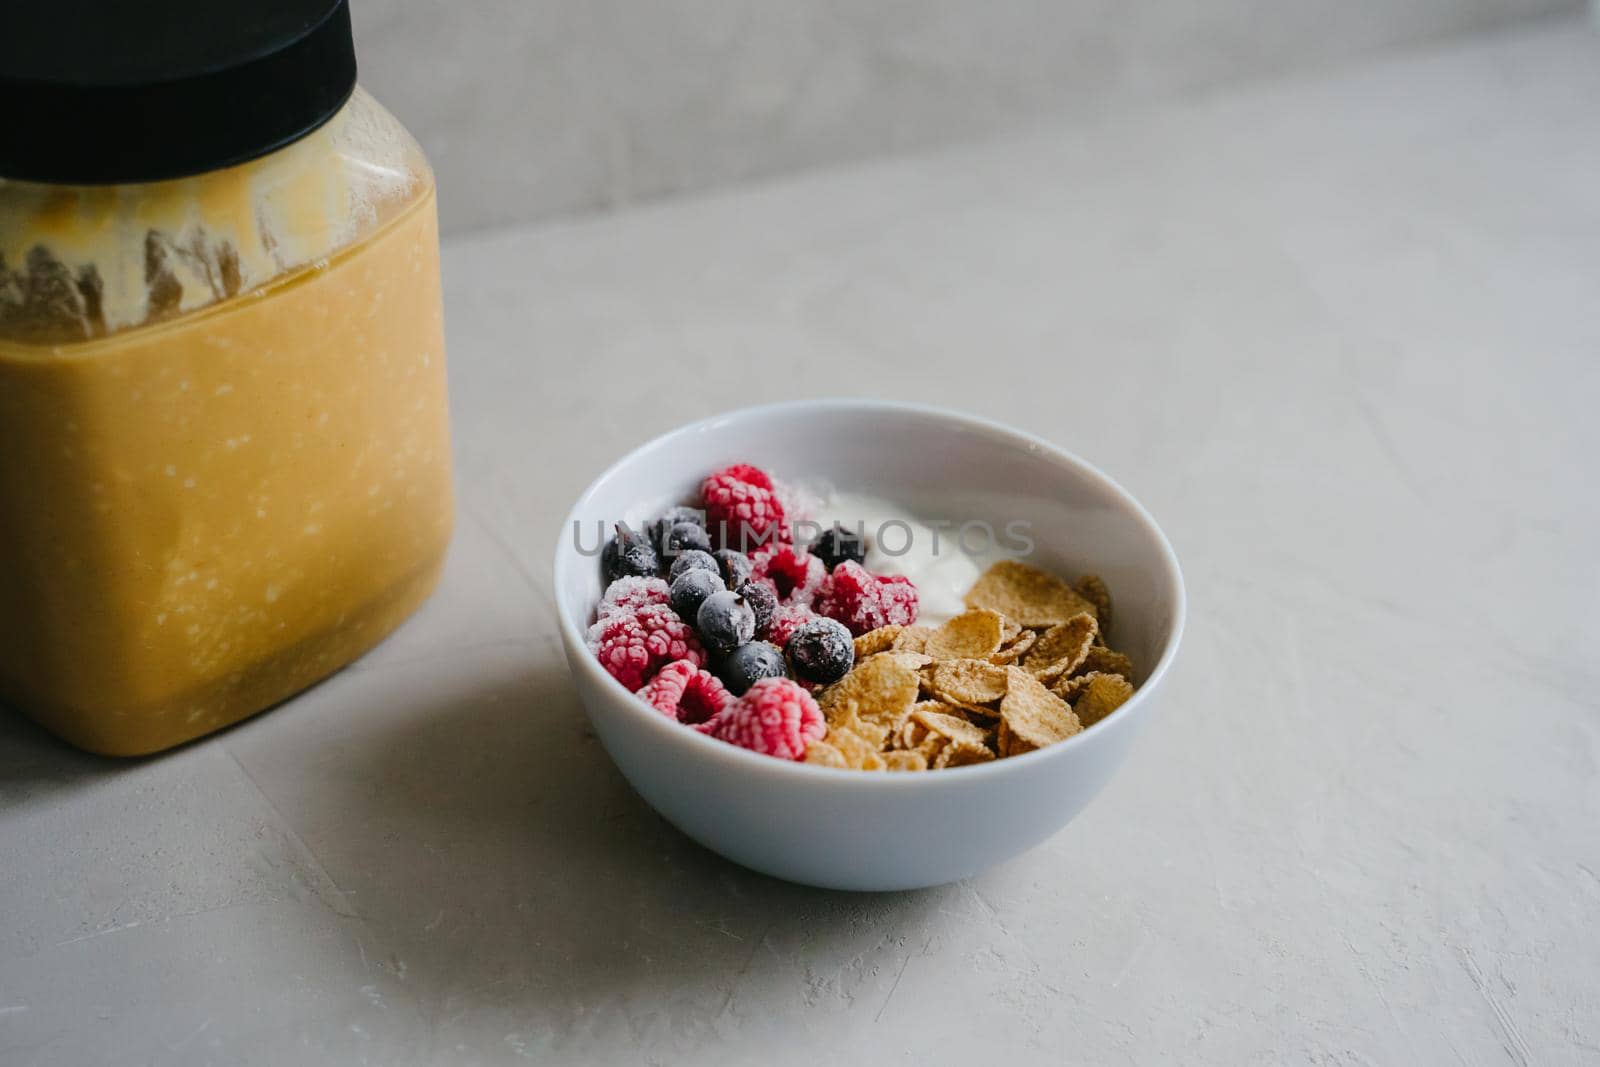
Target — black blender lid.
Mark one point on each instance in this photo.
(99, 92)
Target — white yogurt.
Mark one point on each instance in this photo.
(899, 542)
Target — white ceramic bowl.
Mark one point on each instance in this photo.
(860, 830)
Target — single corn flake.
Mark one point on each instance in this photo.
(1031, 716)
(967, 681)
(1061, 648)
(1026, 594)
(1015, 647)
(954, 727)
(973, 634)
(1103, 694)
(1092, 589)
(882, 690)
(912, 638)
(847, 717)
(858, 753)
(911, 661)
(1102, 660)
(822, 754)
(905, 761)
(875, 641)
(960, 754)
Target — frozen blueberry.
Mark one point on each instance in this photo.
(630, 553)
(725, 621)
(691, 588)
(675, 516)
(736, 566)
(748, 663)
(838, 544)
(762, 600)
(822, 651)
(694, 559)
(684, 537)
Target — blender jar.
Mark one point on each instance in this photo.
(224, 441)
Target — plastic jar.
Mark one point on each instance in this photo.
(224, 443)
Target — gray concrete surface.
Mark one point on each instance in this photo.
(532, 110)
(1349, 363)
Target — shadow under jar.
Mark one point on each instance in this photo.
(224, 439)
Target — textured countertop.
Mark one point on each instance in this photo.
(1339, 334)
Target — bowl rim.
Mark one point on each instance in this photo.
(674, 733)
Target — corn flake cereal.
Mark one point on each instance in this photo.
(957, 754)
(973, 634)
(905, 761)
(967, 681)
(1092, 589)
(1102, 660)
(1061, 648)
(1026, 594)
(822, 754)
(875, 641)
(1103, 694)
(1031, 716)
(1024, 667)
(912, 639)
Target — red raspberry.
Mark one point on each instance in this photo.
(742, 509)
(864, 601)
(631, 646)
(744, 472)
(775, 717)
(794, 573)
(627, 595)
(786, 620)
(686, 693)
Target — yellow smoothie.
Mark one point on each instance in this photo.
(204, 511)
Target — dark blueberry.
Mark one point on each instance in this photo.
(693, 559)
(725, 621)
(762, 600)
(745, 665)
(691, 588)
(822, 651)
(736, 566)
(838, 544)
(629, 553)
(684, 537)
(673, 517)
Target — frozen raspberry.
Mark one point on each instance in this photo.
(796, 575)
(786, 619)
(683, 691)
(864, 602)
(775, 717)
(752, 475)
(627, 595)
(742, 509)
(631, 646)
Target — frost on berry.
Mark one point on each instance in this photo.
(786, 619)
(748, 473)
(741, 513)
(775, 717)
(628, 595)
(795, 574)
(633, 646)
(864, 601)
(686, 693)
